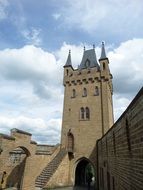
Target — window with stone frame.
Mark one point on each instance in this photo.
(84, 92)
(73, 93)
(82, 113)
(96, 93)
(87, 111)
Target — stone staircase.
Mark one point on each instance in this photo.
(50, 169)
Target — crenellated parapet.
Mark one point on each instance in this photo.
(89, 70)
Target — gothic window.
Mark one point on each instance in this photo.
(87, 113)
(96, 91)
(84, 92)
(82, 113)
(73, 93)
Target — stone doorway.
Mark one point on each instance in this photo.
(84, 169)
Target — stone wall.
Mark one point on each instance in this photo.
(120, 151)
(22, 171)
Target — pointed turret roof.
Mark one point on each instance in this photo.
(68, 62)
(89, 59)
(103, 53)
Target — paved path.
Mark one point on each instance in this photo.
(73, 188)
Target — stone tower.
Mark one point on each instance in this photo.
(88, 109)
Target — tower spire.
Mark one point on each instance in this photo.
(103, 53)
(68, 62)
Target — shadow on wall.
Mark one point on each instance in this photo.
(16, 176)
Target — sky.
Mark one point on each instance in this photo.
(35, 37)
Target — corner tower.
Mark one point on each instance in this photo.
(87, 111)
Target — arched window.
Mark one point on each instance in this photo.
(82, 113)
(96, 91)
(73, 93)
(87, 113)
(84, 92)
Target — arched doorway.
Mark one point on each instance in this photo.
(17, 161)
(84, 169)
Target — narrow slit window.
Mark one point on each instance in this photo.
(104, 66)
(73, 93)
(67, 72)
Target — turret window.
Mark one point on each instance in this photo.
(84, 113)
(84, 92)
(96, 93)
(67, 72)
(104, 66)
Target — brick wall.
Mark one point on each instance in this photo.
(120, 151)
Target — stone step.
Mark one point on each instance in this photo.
(49, 170)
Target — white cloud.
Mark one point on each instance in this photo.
(27, 63)
(3, 9)
(56, 16)
(76, 53)
(32, 36)
(91, 15)
(127, 67)
(38, 127)
(31, 93)
(30, 90)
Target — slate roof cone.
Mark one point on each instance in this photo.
(103, 53)
(68, 62)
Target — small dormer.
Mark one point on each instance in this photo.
(88, 60)
(87, 63)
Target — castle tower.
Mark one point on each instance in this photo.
(88, 109)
